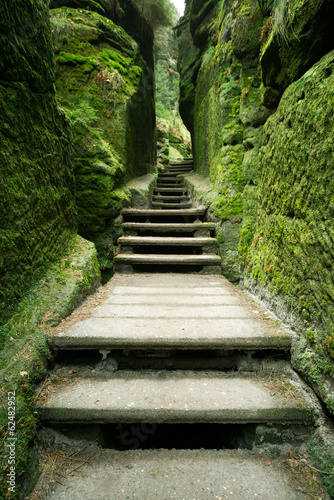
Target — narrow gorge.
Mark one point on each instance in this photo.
(167, 209)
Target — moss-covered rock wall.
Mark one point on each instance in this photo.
(221, 105)
(106, 88)
(38, 215)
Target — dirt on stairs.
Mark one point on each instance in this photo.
(174, 385)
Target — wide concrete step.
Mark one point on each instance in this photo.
(171, 205)
(182, 333)
(170, 198)
(173, 173)
(166, 241)
(169, 227)
(164, 259)
(184, 162)
(147, 212)
(170, 397)
(157, 474)
(171, 190)
(167, 311)
(166, 185)
(170, 179)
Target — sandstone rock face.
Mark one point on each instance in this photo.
(37, 202)
(106, 88)
(291, 250)
(221, 105)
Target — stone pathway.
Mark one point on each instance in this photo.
(171, 349)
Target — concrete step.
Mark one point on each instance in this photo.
(170, 397)
(189, 161)
(169, 179)
(176, 204)
(166, 241)
(171, 198)
(167, 259)
(170, 190)
(169, 227)
(170, 311)
(147, 212)
(158, 474)
(178, 169)
(173, 173)
(159, 333)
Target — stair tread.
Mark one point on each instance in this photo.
(171, 190)
(167, 259)
(169, 396)
(148, 211)
(171, 205)
(207, 313)
(170, 226)
(166, 240)
(171, 198)
(156, 333)
(139, 472)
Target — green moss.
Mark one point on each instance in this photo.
(24, 358)
(105, 87)
(321, 453)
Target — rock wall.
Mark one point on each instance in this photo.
(106, 88)
(38, 215)
(221, 106)
(257, 94)
(174, 142)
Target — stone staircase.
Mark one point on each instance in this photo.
(172, 235)
(159, 360)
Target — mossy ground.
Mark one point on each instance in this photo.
(25, 354)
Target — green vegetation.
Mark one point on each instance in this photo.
(63, 287)
(105, 88)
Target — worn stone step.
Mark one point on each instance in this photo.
(170, 397)
(172, 173)
(169, 179)
(166, 241)
(171, 198)
(170, 205)
(158, 474)
(156, 259)
(167, 333)
(171, 190)
(189, 161)
(147, 212)
(169, 311)
(169, 227)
